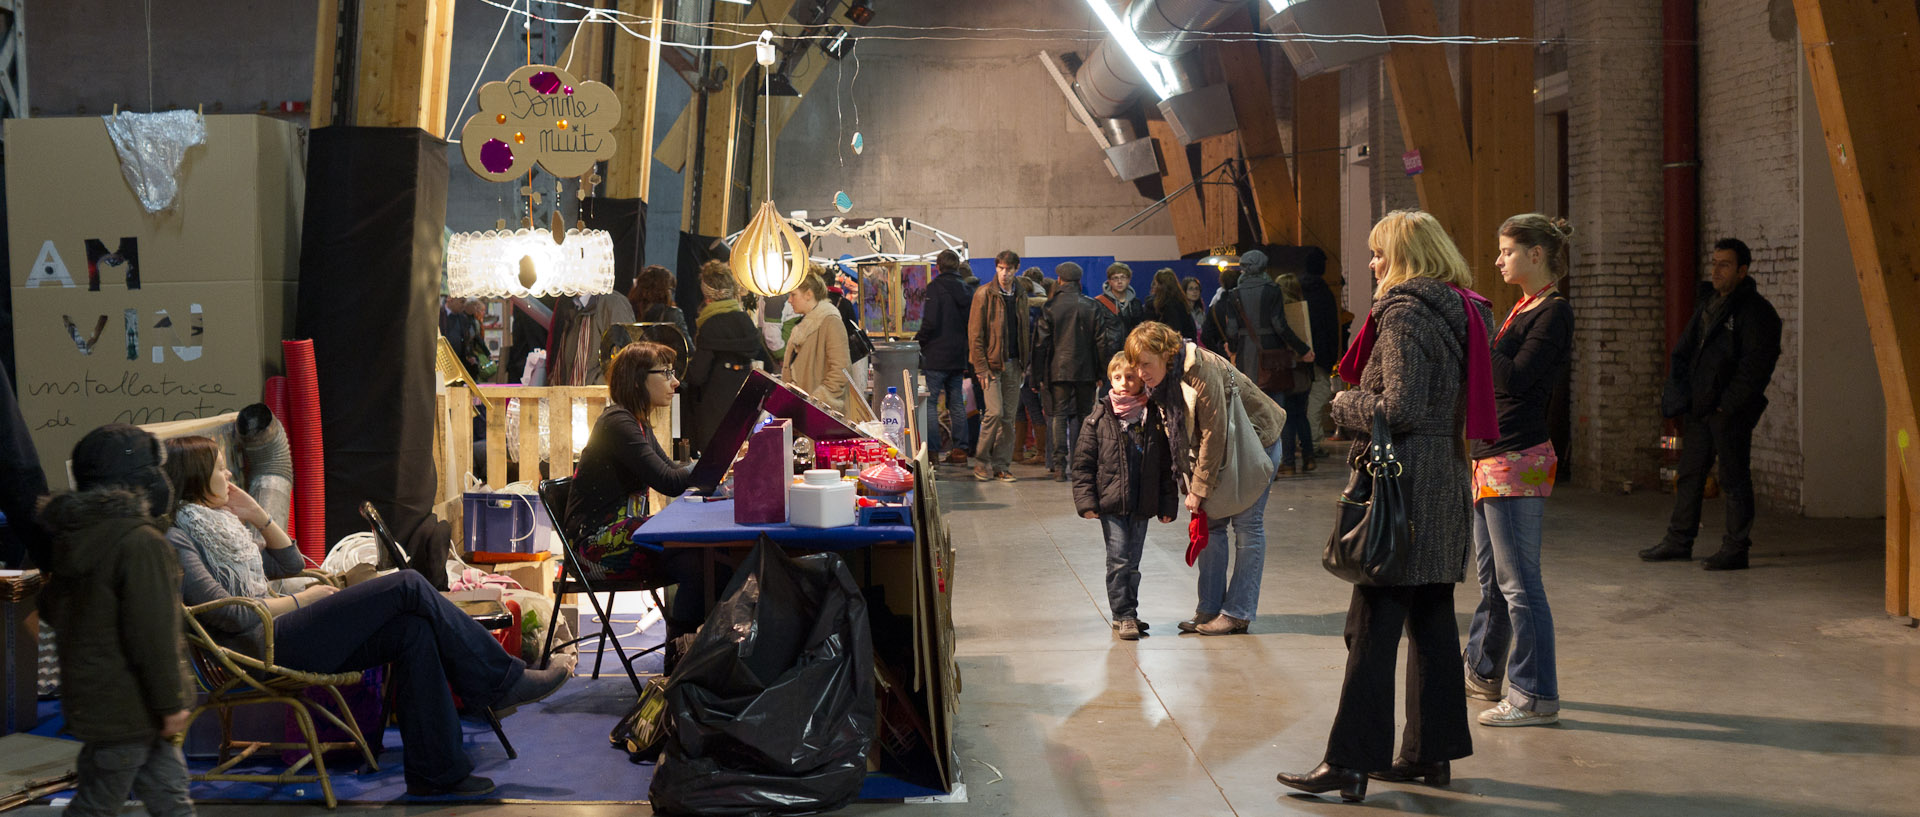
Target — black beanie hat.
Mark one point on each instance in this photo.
(125, 455)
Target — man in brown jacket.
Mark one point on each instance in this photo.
(999, 347)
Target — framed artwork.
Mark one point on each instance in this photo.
(913, 296)
(880, 299)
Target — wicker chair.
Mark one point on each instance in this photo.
(233, 679)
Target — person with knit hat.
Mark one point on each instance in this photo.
(113, 602)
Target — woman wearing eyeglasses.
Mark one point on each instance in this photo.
(622, 461)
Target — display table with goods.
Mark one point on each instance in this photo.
(901, 559)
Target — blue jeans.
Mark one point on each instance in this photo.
(1126, 537)
(1513, 610)
(1240, 597)
(948, 383)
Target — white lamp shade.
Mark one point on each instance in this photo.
(489, 264)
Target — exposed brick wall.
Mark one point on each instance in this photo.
(1393, 189)
(1750, 190)
(1615, 192)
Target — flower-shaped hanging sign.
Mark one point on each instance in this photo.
(540, 115)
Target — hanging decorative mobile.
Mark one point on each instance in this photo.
(842, 201)
(768, 259)
(540, 115)
(859, 143)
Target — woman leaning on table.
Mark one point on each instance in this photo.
(1425, 342)
(1512, 631)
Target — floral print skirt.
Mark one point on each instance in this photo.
(609, 553)
(1528, 472)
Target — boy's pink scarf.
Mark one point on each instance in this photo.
(1130, 408)
(1483, 418)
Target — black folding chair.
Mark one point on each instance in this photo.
(573, 579)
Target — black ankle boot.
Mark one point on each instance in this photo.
(1407, 771)
(1667, 552)
(1730, 557)
(1326, 777)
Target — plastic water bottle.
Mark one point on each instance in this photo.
(893, 415)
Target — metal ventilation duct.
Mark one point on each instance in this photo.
(1108, 82)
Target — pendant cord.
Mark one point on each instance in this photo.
(766, 125)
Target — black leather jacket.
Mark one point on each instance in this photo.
(1725, 358)
(1075, 338)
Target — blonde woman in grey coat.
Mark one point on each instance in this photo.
(1417, 373)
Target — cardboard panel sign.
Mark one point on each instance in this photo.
(121, 316)
(540, 115)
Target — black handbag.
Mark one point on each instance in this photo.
(1371, 533)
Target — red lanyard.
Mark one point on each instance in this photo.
(1519, 308)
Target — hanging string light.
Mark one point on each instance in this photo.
(768, 259)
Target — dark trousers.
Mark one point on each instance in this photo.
(1295, 434)
(1436, 693)
(401, 620)
(1703, 440)
(1071, 404)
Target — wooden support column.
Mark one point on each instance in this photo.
(1275, 203)
(325, 51)
(1869, 110)
(1189, 221)
(633, 75)
(1423, 94)
(1500, 99)
(1316, 135)
(401, 71)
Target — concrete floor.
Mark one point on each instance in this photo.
(1781, 690)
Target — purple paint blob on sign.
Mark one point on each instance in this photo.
(545, 82)
(495, 156)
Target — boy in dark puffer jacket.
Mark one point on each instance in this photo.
(1123, 473)
(114, 605)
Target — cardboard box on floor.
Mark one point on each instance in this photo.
(224, 261)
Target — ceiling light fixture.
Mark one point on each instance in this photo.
(1157, 72)
(768, 259)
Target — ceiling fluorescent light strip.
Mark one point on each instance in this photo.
(1155, 70)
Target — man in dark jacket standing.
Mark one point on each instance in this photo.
(1120, 300)
(1717, 385)
(1323, 315)
(1075, 338)
(999, 345)
(943, 351)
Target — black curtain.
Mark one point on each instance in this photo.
(694, 251)
(370, 262)
(626, 221)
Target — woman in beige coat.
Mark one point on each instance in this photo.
(816, 355)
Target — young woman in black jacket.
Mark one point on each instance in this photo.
(622, 461)
(1123, 474)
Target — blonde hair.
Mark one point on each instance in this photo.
(1153, 338)
(1412, 244)
(1119, 361)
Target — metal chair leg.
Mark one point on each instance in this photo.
(493, 720)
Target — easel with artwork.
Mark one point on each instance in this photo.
(893, 297)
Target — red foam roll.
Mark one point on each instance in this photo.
(275, 396)
(309, 464)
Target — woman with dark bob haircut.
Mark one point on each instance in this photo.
(229, 547)
(622, 461)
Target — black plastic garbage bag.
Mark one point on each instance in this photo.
(772, 708)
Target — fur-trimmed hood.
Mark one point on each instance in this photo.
(87, 525)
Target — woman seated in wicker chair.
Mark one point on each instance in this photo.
(229, 546)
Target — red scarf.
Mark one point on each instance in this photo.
(1483, 418)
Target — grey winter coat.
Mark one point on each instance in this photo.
(1417, 373)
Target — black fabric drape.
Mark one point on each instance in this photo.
(694, 251)
(626, 221)
(370, 261)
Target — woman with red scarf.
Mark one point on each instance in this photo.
(1422, 358)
